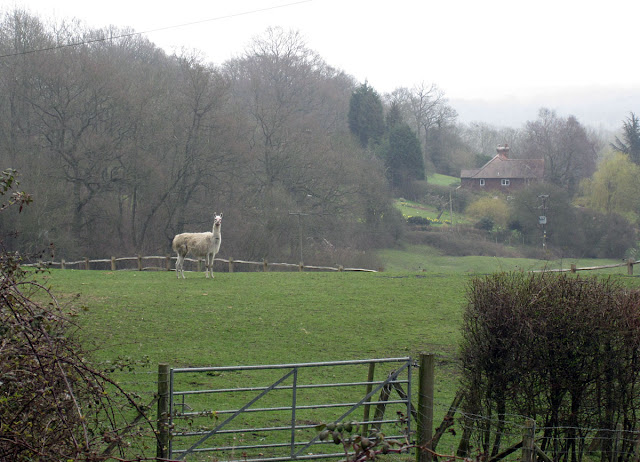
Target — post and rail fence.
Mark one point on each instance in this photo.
(166, 263)
(574, 269)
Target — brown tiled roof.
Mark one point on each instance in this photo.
(503, 167)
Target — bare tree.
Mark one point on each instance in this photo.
(569, 153)
(426, 110)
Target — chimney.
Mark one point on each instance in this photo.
(503, 151)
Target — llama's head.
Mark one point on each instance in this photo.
(217, 221)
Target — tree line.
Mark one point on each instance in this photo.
(122, 146)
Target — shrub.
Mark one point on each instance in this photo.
(418, 221)
(493, 207)
(605, 236)
(547, 346)
(485, 223)
(53, 404)
(472, 242)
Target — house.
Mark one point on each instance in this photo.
(503, 174)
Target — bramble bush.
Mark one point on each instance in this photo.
(54, 405)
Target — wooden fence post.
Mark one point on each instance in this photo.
(62, 262)
(425, 408)
(139, 262)
(265, 265)
(630, 267)
(113, 263)
(573, 267)
(231, 264)
(367, 406)
(301, 267)
(198, 265)
(86, 263)
(528, 441)
(168, 262)
(162, 451)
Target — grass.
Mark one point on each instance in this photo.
(424, 258)
(265, 318)
(443, 180)
(416, 209)
(277, 318)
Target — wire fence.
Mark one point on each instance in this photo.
(562, 444)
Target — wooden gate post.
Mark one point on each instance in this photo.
(367, 406)
(528, 441)
(113, 263)
(425, 408)
(162, 451)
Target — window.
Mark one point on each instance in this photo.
(481, 182)
(505, 182)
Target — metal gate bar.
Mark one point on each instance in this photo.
(212, 432)
(293, 372)
(390, 378)
(283, 387)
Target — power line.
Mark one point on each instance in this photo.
(133, 34)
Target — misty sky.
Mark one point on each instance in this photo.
(499, 50)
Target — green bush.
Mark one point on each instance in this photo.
(418, 221)
(485, 223)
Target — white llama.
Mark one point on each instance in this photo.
(199, 245)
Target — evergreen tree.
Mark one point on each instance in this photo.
(366, 119)
(394, 116)
(403, 155)
(631, 143)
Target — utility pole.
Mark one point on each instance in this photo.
(542, 219)
(300, 214)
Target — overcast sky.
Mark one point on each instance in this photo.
(493, 49)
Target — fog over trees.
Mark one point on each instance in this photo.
(122, 146)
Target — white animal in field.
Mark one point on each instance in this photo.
(199, 245)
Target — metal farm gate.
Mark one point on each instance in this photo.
(270, 413)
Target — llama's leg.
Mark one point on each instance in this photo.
(213, 256)
(209, 263)
(180, 266)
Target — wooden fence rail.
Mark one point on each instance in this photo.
(165, 264)
(629, 264)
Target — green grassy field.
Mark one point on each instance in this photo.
(254, 318)
(277, 318)
(414, 258)
(443, 180)
(265, 318)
